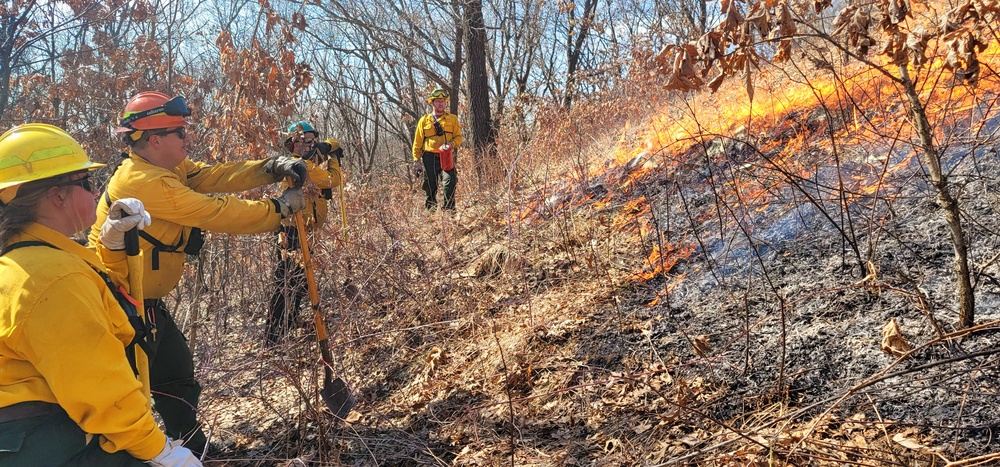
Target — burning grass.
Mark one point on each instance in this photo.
(707, 286)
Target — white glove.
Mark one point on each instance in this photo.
(174, 455)
(122, 216)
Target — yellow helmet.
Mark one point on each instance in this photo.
(437, 93)
(36, 151)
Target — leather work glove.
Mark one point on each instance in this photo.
(327, 150)
(291, 201)
(418, 169)
(284, 166)
(174, 455)
(122, 216)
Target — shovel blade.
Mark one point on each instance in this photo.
(338, 397)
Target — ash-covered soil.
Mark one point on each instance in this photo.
(722, 313)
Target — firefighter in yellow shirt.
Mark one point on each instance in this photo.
(435, 148)
(177, 193)
(322, 160)
(70, 389)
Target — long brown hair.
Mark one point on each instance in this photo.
(21, 211)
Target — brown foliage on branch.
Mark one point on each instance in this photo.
(258, 94)
(731, 48)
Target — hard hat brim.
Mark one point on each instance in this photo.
(8, 188)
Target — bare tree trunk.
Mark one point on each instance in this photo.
(10, 32)
(578, 31)
(483, 135)
(456, 65)
(966, 298)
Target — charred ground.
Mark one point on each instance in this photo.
(720, 300)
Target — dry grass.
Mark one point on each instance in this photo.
(562, 317)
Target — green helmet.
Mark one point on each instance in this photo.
(437, 93)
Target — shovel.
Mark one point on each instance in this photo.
(335, 392)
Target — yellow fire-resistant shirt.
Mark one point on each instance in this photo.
(62, 335)
(425, 137)
(178, 200)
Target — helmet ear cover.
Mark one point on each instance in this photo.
(175, 107)
(132, 137)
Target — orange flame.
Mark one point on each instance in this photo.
(662, 261)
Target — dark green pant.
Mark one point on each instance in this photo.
(171, 380)
(54, 440)
(433, 172)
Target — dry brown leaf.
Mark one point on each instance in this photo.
(904, 439)
(892, 12)
(701, 346)
(734, 19)
(759, 17)
(895, 48)
(916, 45)
(786, 438)
(962, 57)
(893, 342)
(435, 358)
(709, 48)
(858, 441)
(851, 24)
(490, 263)
(716, 82)
(642, 427)
(786, 25)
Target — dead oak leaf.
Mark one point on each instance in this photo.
(700, 345)
(906, 440)
(893, 342)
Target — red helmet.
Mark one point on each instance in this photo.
(152, 110)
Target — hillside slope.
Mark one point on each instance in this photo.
(705, 286)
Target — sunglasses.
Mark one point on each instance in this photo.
(181, 133)
(86, 183)
(176, 107)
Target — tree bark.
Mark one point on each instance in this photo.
(455, 69)
(10, 31)
(483, 135)
(578, 30)
(947, 203)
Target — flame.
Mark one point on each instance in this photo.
(796, 130)
(662, 260)
(634, 212)
(668, 288)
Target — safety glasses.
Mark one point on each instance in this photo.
(175, 107)
(86, 183)
(181, 133)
